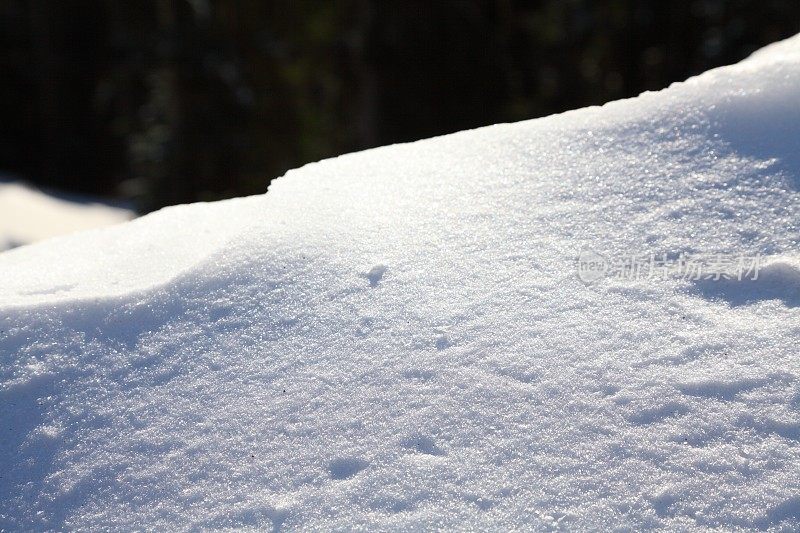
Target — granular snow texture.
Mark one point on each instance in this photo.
(398, 338)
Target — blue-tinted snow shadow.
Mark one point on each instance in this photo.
(764, 126)
(775, 281)
(27, 454)
(787, 511)
(23, 462)
(120, 321)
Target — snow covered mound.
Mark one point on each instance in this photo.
(28, 215)
(399, 338)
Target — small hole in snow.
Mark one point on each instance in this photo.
(345, 468)
(375, 274)
(443, 341)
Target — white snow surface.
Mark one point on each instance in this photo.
(397, 338)
(28, 215)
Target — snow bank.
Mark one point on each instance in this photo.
(398, 338)
(28, 215)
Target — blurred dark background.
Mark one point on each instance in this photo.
(169, 101)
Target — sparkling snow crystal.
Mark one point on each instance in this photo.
(399, 338)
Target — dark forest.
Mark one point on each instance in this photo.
(158, 102)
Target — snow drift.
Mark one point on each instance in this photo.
(28, 215)
(398, 338)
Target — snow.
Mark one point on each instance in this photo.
(398, 338)
(28, 215)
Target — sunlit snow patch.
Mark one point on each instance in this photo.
(399, 338)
